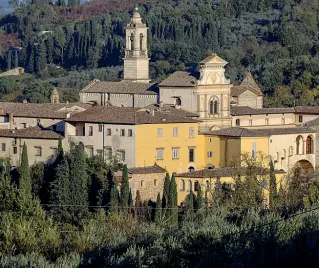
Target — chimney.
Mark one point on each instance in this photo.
(152, 112)
(161, 105)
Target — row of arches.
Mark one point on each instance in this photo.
(132, 42)
(300, 145)
(188, 186)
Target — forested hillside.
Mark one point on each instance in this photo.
(276, 40)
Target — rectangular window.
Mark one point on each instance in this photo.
(191, 155)
(23, 125)
(192, 132)
(122, 155)
(90, 131)
(300, 119)
(266, 121)
(283, 121)
(3, 147)
(122, 133)
(100, 128)
(210, 154)
(130, 133)
(109, 132)
(90, 151)
(108, 153)
(254, 150)
(237, 122)
(175, 132)
(175, 153)
(160, 154)
(250, 122)
(15, 150)
(99, 153)
(38, 151)
(159, 132)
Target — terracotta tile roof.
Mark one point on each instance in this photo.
(123, 87)
(179, 79)
(224, 172)
(311, 123)
(147, 170)
(245, 110)
(42, 110)
(30, 133)
(249, 81)
(236, 91)
(127, 115)
(244, 132)
(307, 109)
(167, 108)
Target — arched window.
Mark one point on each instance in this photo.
(196, 186)
(309, 145)
(291, 151)
(132, 41)
(213, 106)
(207, 186)
(191, 169)
(178, 101)
(299, 145)
(141, 41)
(182, 185)
(189, 186)
(284, 155)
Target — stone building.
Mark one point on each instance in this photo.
(135, 89)
(16, 71)
(42, 144)
(55, 97)
(125, 94)
(149, 181)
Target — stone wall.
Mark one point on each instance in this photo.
(149, 185)
(248, 99)
(16, 71)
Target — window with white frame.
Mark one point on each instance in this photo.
(175, 153)
(192, 132)
(159, 153)
(254, 150)
(159, 132)
(175, 132)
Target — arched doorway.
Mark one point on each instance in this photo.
(299, 145)
(305, 166)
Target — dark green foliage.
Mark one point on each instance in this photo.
(172, 203)
(189, 204)
(60, 192)
(9, 60)
(25, 185)
(37, 176)
(60, 147)
(114, 200)
(199, 199)
(78, 182)
(295, 190)
(272, 186)
(125, 189)
(165, 192)
(138, 204)
(158, 209)
(130, 199)
(40, 63)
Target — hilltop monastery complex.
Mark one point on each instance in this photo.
(195, 126)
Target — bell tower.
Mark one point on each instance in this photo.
(136, 60)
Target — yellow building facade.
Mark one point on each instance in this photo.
(176, 147)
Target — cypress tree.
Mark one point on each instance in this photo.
(114, 200)
(25, 179)
(31, 57)
(138, 204)
(16, 59)
(9, 60)
(272, 186)
(166, 191)
(78, 182)
(199, 199)
(130, 200)
(60, 147)
(158, 209)
(49, 49)
(125, 189)
(189, 208)
(40, 59)
(60, 191)
(172, 203)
